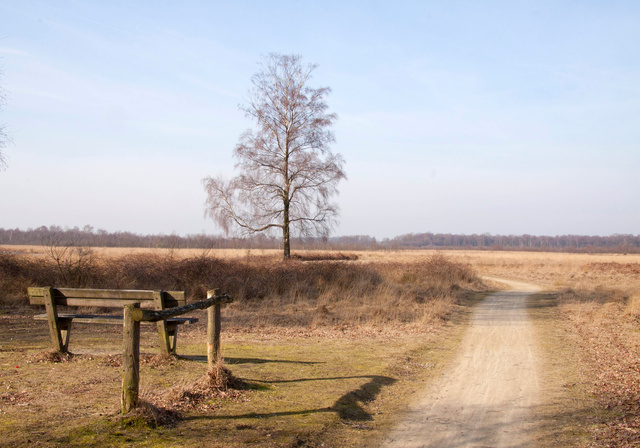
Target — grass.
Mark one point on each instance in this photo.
(303, 390)
(333, 349)
(267, 292)
(328, 349)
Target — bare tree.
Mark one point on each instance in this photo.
(288, 173)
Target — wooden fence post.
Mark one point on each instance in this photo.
(213, 330)
(130, 359)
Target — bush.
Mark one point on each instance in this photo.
(295, 292)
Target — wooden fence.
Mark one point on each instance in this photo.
(133, 315)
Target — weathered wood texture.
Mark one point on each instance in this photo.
(130, 358)
(213, 330)
(164, 307)
(108, 298)
(131, 350)
(60, 325)
(154, 316)
(108, 319)
(52, 318)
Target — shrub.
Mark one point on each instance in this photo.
(325, 292)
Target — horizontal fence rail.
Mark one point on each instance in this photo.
(155, 316)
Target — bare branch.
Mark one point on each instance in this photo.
(288, 173)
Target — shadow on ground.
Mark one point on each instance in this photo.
(231, 361)
(349, 407)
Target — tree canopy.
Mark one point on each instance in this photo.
(288, 174)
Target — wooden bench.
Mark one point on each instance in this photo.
(60, 323)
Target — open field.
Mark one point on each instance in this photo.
(558, 270)
(332, 359)
(302, 389)
(327, 352)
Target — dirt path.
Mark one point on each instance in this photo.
(487, 396)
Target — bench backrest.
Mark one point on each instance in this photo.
(108, 298)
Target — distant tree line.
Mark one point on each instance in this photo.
(88, 236)
(563, 243)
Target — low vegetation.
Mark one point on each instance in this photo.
(328, 346)
(322, 350)
(312, 289)
(591, 335)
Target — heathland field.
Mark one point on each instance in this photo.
(327, 349)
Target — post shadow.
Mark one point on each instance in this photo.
(348, 407)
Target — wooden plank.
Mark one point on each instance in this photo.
(87, 293)
(100, 303)
(106, 319)
(109, 298)
(174, 298)
(85, 318)
(130, 359)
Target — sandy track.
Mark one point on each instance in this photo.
(487, 396)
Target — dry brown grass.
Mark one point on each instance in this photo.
(117, 252)
(555, 270)
(596, 309)
(360, 299)
(321, 338)
(316, 289)
(588, 282)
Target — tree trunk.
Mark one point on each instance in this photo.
(285, 232)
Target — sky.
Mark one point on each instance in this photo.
(496, 117)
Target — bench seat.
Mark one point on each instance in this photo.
(103, 319)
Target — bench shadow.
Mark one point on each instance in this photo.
(349, 407)
(231, 361)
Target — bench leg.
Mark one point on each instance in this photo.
(64, 325)
(165, 342)
(172, 332)
(52, 319)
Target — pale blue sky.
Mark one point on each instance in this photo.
(454, 116)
